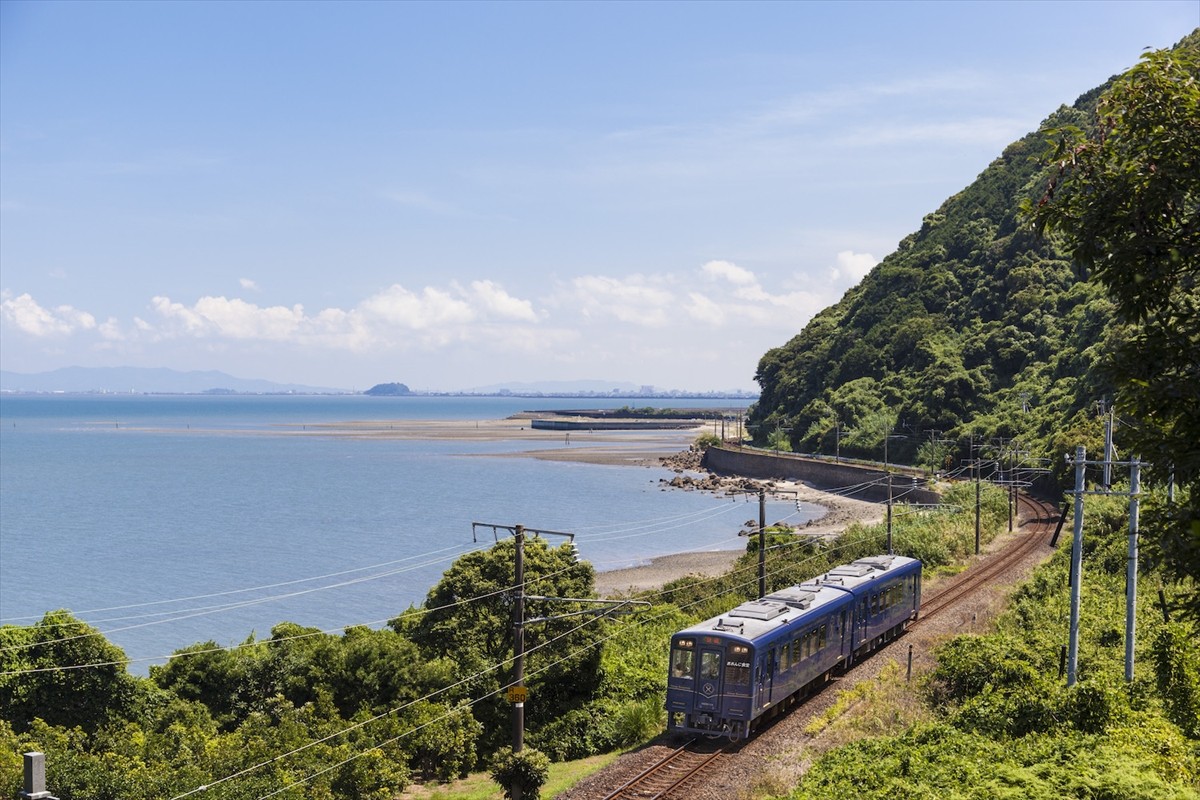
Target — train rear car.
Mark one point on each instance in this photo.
(887, 596)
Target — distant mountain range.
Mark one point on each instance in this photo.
(143, 380)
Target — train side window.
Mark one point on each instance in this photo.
(683, 664)
(797, 650)
(785, 657)
(821, 637)
(710, 665)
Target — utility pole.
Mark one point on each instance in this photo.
(1012, 482)
(1108, 446)
(975, 466)
(518, 678)
(1131, 569)
(516, 690)
(762, 543)
(1076, 565)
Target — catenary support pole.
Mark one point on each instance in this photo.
(889, 514)
(518, 679)
(1108, 448)
(1131, 569)
(762, 543)
(975, 462)
(1076, 566)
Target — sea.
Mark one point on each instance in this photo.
(165, 520)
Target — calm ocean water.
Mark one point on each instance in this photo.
(148, 518)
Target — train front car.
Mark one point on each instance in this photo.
(708, 684)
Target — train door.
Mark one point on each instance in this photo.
(708, 680)
(843, 634)
(764, 678)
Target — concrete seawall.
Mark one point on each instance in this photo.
(820, 474)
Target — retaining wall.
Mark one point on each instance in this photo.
(819, 473)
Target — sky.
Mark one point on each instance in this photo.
(454, 195)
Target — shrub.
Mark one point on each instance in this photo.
(528, 769)
(638, 721)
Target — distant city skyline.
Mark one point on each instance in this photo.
(456, 195)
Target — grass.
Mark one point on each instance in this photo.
(480, 786)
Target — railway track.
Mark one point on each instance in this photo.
(1044, 517)
(668, 776)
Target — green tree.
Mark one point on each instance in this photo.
(65, 672)
(468, 620)
(1125, 202)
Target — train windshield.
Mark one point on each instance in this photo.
(683, 664)
(710, 665)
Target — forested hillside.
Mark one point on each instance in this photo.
(975, 325)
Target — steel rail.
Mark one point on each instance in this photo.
(1043, 518)
(669, 774)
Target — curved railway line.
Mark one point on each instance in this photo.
(676, 773)
(1044, 518)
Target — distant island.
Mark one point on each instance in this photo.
(388, 390)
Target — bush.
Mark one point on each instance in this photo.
(1177, 670)
(529, 770)
(579, 733)
(639, 721)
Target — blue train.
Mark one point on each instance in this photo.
(729, 673)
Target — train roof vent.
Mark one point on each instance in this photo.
(855, 570)
(796, 598)
(759, 609)
(722, 625)
(877, 562)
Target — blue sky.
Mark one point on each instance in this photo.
(462, 194)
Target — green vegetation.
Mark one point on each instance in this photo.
(978, 328)
(1125, 203)
(1004, 724)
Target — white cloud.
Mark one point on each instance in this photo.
(499, 303)
(634, 299)
(248, 284)
(729, 271)
(417, 311)
(24, 313)
(851, 267)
